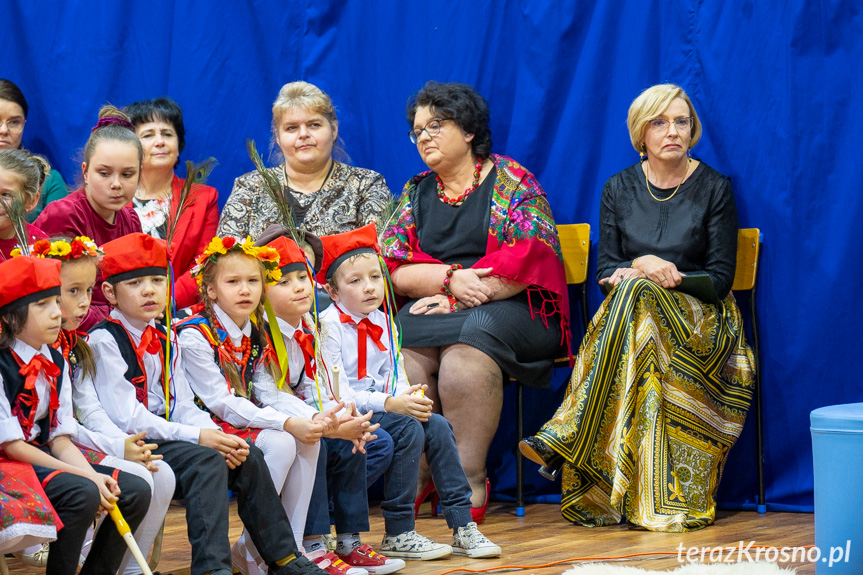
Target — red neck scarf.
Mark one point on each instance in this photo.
(28, 396)
(365, 329)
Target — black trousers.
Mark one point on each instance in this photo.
(76, 500)
(203, 480)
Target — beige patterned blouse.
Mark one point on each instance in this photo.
(351, 198)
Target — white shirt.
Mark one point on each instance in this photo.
(10, 428)
(117, 395)
(340, 349)
(266, 391)
(207, 382)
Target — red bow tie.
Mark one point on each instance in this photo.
(150, 342)
(307, 344)
(365, 329)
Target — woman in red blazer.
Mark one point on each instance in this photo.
(159, 125)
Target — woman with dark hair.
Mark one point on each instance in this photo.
(13, 116)
(159, 125)
(475, 248)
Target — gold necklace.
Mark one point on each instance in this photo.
(647, 182)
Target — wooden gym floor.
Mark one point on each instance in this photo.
(543, 536)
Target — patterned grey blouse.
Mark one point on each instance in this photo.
(351, 198)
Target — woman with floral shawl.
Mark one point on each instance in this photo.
(474, 248)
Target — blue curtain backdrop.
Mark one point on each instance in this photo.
(777, 88)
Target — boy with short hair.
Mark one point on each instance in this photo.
(129, 352)
(342, 462)
(360, 340)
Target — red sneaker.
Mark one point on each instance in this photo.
(330, 562)
(376, 564)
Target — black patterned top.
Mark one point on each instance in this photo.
(351, 198)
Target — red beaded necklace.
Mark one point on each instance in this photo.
(245, 349)
(459, 200)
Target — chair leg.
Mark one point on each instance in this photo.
(519, 463)
(759, 430)
(4, 569)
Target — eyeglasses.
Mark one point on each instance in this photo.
(432, 128)
(14, 125)
(680, 124)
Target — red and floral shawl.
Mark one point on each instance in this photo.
(522, 242)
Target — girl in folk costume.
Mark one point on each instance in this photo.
(341, 469)
(102, 208)
(222, 349)
(36, 421)
(103, 442)
(21, 177)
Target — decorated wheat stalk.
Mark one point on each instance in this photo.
(14, 210)
(276, 191)
(391, 211)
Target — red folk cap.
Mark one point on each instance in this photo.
(24, 280)
(339, 247)
(291, 257)
(133, 256)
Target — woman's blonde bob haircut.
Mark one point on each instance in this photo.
(305, 96)
(650, 104)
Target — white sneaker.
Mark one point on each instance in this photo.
(469, 541)
(242, 562)
(412, 545)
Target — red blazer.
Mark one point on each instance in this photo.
(194, 232)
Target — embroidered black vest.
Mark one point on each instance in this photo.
(13, 385)
(135, 373)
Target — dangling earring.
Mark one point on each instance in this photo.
(641, 153)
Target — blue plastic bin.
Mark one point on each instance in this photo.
(837, 457)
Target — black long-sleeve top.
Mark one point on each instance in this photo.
(696, 229)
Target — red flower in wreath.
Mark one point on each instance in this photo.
(41, 247)
(229, 242)
(77, 249)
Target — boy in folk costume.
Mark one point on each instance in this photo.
(342, 463)
(36, 420)
(129, 351)
(361, 340)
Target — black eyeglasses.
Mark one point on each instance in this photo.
(432, 128)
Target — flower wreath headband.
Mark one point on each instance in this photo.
(63, 250)
(221, 246)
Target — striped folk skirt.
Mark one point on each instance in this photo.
(658, 396)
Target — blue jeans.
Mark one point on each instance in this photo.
(340, 481)
(410, 440)
(379, 455)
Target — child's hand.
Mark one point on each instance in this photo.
(137, 450)
(234, 449)
(108, 490)
(329, 419)
(416, 406)
(355, 426)
(305, 430)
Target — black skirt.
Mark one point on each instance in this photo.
(520, 342)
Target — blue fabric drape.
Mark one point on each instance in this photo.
(777, 89)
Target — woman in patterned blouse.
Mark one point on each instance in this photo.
(327, 196)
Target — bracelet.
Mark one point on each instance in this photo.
(445, 289)
(632, 264)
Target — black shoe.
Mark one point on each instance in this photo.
(299, 566)
(537, 451)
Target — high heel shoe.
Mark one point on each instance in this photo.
(478, 513)
(539, 452)
(428, 492)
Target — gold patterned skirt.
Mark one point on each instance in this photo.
(658, 396)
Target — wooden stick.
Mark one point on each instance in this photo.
(124, 530)
(336, 382)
